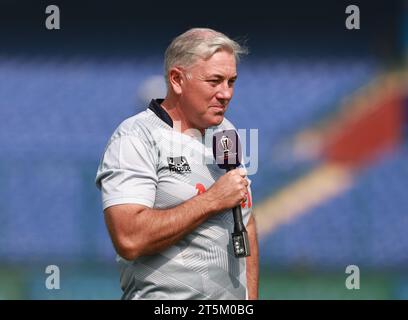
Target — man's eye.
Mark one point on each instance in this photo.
(214, 81)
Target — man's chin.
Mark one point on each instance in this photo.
(217, 120)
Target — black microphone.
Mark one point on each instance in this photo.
(227, 155)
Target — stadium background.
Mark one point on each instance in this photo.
(330, 105)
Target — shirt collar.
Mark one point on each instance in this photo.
(160, 112)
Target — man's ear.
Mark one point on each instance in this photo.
(176, 80)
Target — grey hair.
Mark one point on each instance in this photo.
(197, 43)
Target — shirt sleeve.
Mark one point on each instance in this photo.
(127, 172)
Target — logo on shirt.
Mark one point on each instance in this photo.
(178, 164)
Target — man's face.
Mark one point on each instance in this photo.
(205, 94)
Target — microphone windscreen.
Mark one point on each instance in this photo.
(227, 149)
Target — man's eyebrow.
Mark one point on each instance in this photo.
(219, 76)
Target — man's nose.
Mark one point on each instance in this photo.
(225, 92)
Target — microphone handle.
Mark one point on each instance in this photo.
(240, 239)
(238, 222)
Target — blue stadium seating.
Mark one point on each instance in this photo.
(364, 226)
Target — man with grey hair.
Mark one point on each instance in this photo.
(168, 212)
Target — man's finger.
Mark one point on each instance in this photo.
(242, 172)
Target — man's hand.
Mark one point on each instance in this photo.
(229, 190)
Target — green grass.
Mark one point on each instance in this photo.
(323, 286)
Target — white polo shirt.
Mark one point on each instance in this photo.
(149, 162)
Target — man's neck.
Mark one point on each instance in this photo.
(173, 109)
